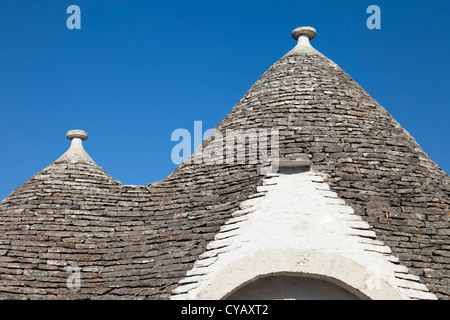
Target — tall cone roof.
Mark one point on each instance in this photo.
(139, 242)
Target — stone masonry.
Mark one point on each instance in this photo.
(138, 242)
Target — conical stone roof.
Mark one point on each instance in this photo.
(143, 241)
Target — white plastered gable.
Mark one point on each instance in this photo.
(296, 226)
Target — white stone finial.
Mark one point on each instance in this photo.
(303, 35)
(308, 32)
(80, 134)
(76, 152)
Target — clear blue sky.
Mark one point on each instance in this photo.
(138, 70)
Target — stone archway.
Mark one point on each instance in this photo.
(338, 271)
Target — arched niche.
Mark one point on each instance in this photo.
(291, 287)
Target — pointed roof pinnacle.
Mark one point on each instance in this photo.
(76, 152)
(303, 35)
